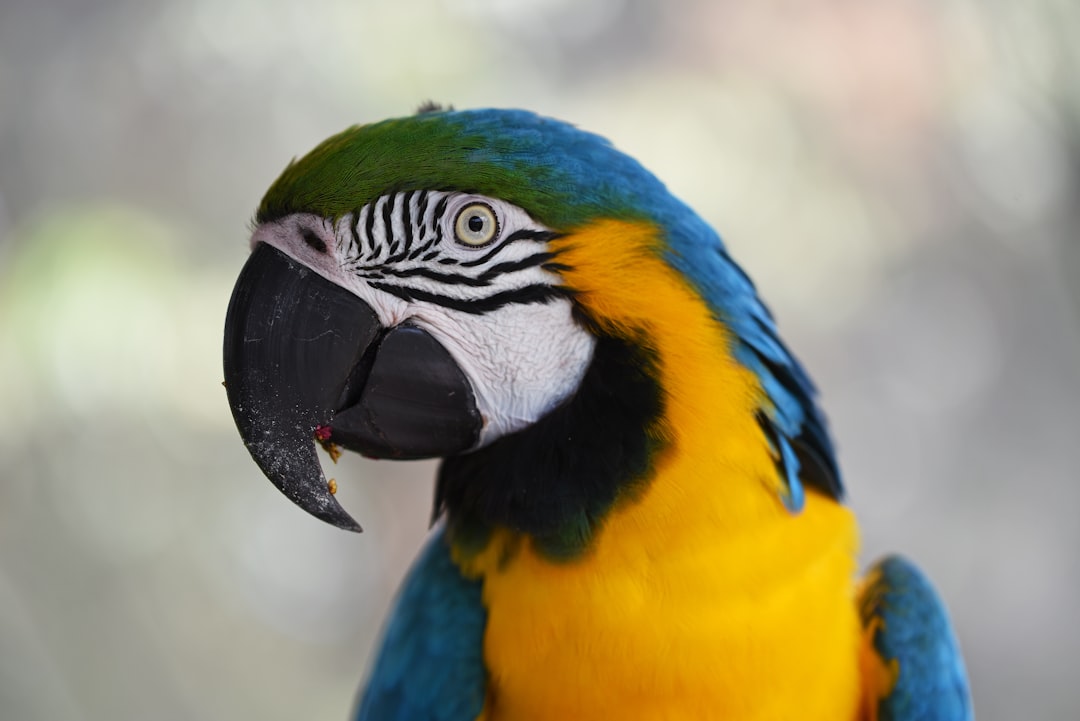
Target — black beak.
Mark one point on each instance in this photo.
(307, 359)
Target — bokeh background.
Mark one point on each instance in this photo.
(901, 177)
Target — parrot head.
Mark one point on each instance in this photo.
(507, 293)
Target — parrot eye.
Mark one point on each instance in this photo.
(476, 225)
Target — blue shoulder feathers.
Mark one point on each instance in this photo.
(914, 630)
(430, 666)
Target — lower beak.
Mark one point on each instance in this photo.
(307, 359)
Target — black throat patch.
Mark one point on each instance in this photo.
(556, 480)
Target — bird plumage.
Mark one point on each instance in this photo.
(431, 665)
(912, 664)
(650, 522)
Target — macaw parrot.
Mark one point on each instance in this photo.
(638, 509)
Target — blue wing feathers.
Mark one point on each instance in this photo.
(915, 630)
(430, 666)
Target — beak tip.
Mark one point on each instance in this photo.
(322, 505)
(340, 518)
(311, 492)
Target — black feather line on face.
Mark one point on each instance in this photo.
(536, 293)
(557, 479)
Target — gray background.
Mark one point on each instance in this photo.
(900, 177)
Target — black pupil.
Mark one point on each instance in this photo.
(476, 223)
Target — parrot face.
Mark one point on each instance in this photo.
(452, 331)
(512, 295)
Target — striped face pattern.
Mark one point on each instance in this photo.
(473, 271)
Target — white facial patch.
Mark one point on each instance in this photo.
(468, 269)
(522, 360)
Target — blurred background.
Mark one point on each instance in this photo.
(901, 178)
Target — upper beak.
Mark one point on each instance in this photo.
(303, 355)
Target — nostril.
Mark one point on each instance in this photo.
(313, 240)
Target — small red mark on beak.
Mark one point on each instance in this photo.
(322, 437)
